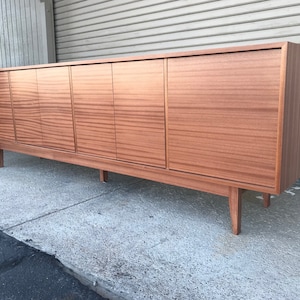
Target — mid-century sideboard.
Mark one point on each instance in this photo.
(221, 120)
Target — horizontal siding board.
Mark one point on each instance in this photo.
(150, 14)
(173, 17)
(183, 44)
(123, 12)
(185, 31)
(185, 22)
(63, 3)
(92, 29)
(83, 8)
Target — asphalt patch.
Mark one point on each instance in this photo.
(29, 274)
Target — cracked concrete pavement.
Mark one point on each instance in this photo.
(137, 239)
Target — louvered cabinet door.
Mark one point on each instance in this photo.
(56, 108)
(223, 115)
(139, 111)
(27, 114)
(94, 110)
(7, 132)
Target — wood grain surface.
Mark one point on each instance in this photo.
(6, 116)
(139, 111)
(290, 103)
(94, 110)
(240, 48)
(26, 105)
(56, 108)
(223, 115)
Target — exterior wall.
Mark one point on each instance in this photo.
(92, 29)
(26, 32)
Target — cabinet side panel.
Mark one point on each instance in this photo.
(94, 110)
(6, 115)
(26, 107)
(139, 111)
(56, 108)
(290, 165)
(223, 115)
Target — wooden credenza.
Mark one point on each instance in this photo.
(221, 121)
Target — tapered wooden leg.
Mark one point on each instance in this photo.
(266, 198)
(103, 176)
(235, 207)
(1, 159)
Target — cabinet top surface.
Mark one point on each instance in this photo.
(254, 47)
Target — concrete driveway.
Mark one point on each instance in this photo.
(136, 239)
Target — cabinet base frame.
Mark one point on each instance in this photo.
(235, 208)
(103, 176)
(187, 180)
(266, 198)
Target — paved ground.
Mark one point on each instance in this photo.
(136, 239)
(26, 273)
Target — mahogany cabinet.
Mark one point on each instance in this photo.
(221, 120)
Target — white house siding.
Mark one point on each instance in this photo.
(87, 29)
(24, 36)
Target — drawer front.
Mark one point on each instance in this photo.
(27, 113)
(223, 115)
(94, 110)
(139, 111)
(56, 108)
(7, 132)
